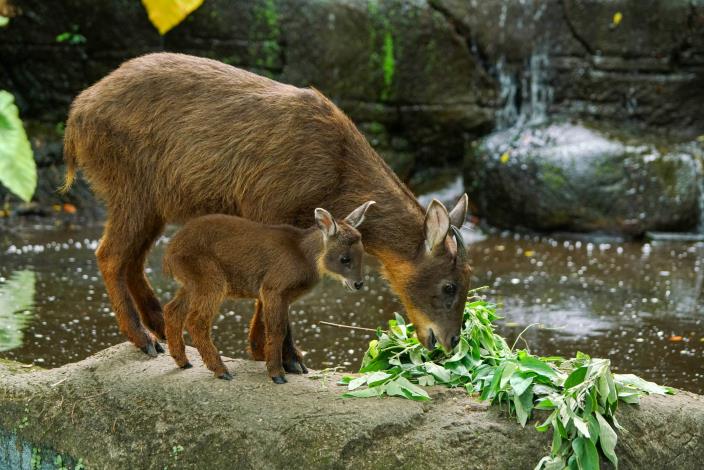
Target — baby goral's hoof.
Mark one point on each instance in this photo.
(150, 350)
(159, 348)
(187, 365)
(279, 379)
(225, 376)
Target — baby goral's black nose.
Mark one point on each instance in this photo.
(358, 284)
(454, 341)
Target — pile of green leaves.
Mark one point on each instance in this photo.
(580, 394)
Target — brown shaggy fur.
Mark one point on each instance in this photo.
(167, 137)
(219, 256)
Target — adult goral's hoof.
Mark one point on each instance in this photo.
(225, 376)
(187, 365)
(279, 379)
(149, 350)
(159, 348)
(295, 367)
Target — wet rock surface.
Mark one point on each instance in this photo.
(102, 409)
(575, 177)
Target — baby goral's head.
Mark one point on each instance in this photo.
(343, 250)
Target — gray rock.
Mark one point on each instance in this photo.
(575, 177)
(119, 409)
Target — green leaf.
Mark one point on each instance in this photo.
(509, 369)
(576, 377)
(414, 392)
(607, 439)
(581, 426)
(520, 382)
(642, 384)
(357, 382)
(18, 171)
(376, 378)
(365, 392)
(399, 319)
(4, 20)
(534, 364)
(586, 454)
(545, 404)
(556, 439)
(379, 363)
(524, 406)
(440, 373)
(593, 426)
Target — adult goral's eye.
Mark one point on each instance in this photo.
(344, 259)
(450, 288)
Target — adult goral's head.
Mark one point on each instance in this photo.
(433, 286)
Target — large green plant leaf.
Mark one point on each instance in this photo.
(18, 171)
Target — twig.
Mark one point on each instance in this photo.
(347, 326)
(542, 327)
(521, 334)
(59, 382)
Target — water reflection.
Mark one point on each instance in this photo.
(16, 302)
(627, 301)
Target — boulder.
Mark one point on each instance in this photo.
(576, 177)
(119, 409)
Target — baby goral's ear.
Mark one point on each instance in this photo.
(356, 217)
(325, 222)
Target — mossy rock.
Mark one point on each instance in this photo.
(577, 177)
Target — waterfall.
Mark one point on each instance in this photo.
(700, 174)
(524, 90)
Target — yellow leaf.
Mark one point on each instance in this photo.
(529, 253)
(165, 14)
(617, 18)
(504, 157)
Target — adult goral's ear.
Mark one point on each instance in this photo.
(325, 222)
(356, 217)
(436, 226)
(459, 212)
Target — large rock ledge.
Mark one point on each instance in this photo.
(119, 409)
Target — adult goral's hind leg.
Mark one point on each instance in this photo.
(117, 249)
(142, 293)
(292, 357)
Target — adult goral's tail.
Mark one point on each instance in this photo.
(69, 159)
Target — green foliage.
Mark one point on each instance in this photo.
(18, 171)
(71, 37)
(580, 394)
(4, 21)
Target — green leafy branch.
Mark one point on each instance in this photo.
(581, 394)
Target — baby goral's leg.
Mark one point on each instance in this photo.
(275, 311)
(175, 313)
(257, 333)
(199, 325)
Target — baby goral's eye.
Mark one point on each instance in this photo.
(450, 288)
(344, 259)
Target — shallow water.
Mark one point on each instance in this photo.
(639, 304)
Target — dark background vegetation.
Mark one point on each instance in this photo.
(427, 82)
